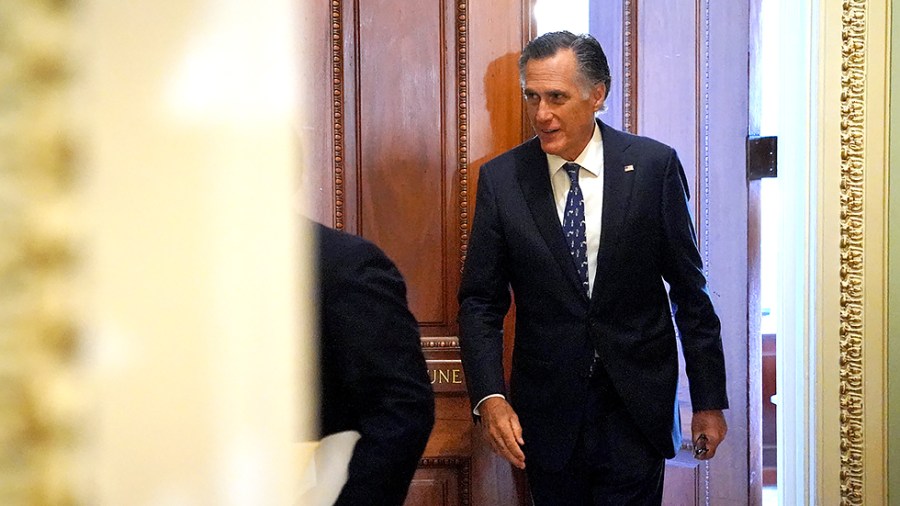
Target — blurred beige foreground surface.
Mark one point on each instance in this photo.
(154, 285)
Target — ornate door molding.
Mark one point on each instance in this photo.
(852, 293)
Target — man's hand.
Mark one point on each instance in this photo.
(504, 431)
(708, 429)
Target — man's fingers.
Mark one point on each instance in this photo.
(706, 444)
(496, 442)
(511, 453)
(517, 429)
(511, 440)
(713, 444)
(505, 434)
(504, 443)
(710, 451)
(709, 429)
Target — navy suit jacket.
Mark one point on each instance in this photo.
(374, 379)
(647, 237)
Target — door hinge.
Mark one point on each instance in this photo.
(762, 157)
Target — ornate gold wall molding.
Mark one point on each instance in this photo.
(853, 158)
(37, 333)
(462, 94)
(337, 70)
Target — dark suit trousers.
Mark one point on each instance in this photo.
(613, 463)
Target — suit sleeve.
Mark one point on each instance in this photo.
(386, 376)
(695, 317)
(484, 298)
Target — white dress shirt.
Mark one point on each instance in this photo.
(590, 179)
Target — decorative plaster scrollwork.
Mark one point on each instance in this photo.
(853, 112)
(39, 337)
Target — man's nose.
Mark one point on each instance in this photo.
(543, 113)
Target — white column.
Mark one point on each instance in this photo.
(795, 109)
(191, 287)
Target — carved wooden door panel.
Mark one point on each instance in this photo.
(419, 95)
(682, 77)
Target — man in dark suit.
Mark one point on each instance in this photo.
(584, 225)
(374, 379)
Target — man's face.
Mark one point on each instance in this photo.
(560, 104)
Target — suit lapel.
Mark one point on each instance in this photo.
(617, 188)
(534, 178)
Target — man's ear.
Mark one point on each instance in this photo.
(598, 95)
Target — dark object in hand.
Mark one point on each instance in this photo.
(700, 446)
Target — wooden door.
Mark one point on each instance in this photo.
(680, 75)
(415, 96)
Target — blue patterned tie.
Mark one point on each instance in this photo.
(573, 224)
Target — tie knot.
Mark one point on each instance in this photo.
(572, 170)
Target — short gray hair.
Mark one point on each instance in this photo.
(592, 64)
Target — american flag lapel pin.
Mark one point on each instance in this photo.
(629, 168)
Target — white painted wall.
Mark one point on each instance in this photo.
(788, 106)
(556, 15)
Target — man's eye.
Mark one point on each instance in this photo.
(557, 98)
(531, 97)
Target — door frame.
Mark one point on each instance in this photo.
(849, 331)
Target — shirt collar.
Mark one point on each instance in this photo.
(591, 158)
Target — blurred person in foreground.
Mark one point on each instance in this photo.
(373, 374)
